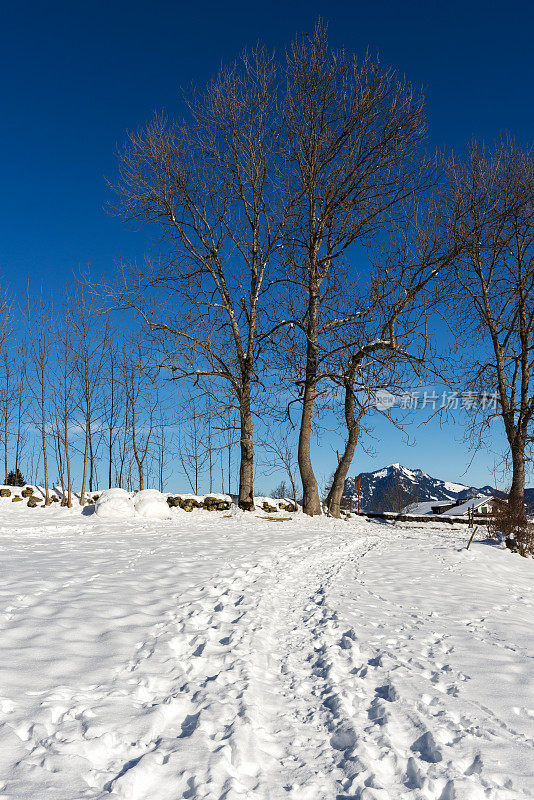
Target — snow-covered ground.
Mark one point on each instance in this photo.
(227, 656)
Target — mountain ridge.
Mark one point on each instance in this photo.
(393, 487)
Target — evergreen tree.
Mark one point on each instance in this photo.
(15, 478)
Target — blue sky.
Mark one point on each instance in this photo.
(75, 76)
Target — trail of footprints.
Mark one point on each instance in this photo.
(385, 747)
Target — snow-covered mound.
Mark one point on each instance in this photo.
(114, 504)
(151, 504)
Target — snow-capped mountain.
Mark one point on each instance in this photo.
(394, 486)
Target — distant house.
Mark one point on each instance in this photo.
(482, 507)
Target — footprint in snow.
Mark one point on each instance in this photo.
(427, 748)
(387, 692)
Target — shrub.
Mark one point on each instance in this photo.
(15, 478)
(517, 531)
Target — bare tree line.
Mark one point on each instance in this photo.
(84, 405)
(310, 247)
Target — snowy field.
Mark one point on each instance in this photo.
(223, 656)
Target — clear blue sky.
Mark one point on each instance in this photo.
(75, 76)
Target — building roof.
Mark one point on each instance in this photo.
(433, 507)
(475, 502)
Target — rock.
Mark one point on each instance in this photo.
(16, 499)
(27, 492)
(33, 502)
(288, 507)
(5, 493)
(189, 503)
(211, 503)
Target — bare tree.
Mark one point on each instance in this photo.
(192, 452)
(8, 398)
(89, 328)
(353, 130)
(7, 374)
(113, 408)
(142, 402)
(280, 451)
(389, 344)
(39, 326)
(64, 399)
(22, 405)
(491, 197)
(210, 185)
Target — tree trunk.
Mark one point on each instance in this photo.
(111, 420)
(246, 467)
(333, 501)
(293, 487)
(516, 498)
(85, 459)
(60, 466)
(311, 503)
(337, 488)
(43, 437)
(67, 462)
(91, 458)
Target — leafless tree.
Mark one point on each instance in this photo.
(354, 130)
(280, 452)
(388, 345)
(141, 397)
(113, 402)
(491, 197)
(89, 328)
(22, 404)
(7, 373)
(191, 449)
(64, 400)
(210, 184)
(39, 327)
(8, 398)
(162, 447)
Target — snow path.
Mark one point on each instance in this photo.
(231, 658)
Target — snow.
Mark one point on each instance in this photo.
(151, 504)
(454, 487)
(228, 656)
(114, 504)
